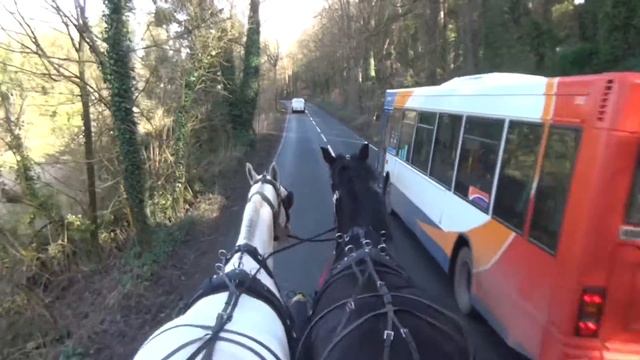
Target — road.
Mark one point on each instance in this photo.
(304, 172)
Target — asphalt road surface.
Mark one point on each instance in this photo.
(303, 171)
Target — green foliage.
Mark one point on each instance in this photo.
(119, 77)
(577, 60)
(619, 32)
(250, 85)
(141, 264)
(417, 43)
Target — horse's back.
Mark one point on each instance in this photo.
(436, 333)
(182, 336)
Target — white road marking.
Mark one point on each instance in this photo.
(323, 138)
(374, 148)
(284, 134)
(331, 150)
(317, 128)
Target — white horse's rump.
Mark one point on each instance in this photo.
(255, 330)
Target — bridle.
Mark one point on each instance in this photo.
(367, 262)
(275, 209)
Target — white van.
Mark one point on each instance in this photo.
(297, 105)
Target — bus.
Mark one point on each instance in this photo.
(526, 190)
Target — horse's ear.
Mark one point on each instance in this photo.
(327, 155)
(363, 153)
(273, 172)
(251, 174)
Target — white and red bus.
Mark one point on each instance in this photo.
(526, 190)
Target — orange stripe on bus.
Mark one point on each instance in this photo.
(444, 239)
(550, 99)
(402, 98)
(487, 241)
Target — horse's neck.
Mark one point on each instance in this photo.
(257, 230)
(257, 226)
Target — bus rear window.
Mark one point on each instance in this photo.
(633, 215)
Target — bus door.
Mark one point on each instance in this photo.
(383, 132)
(623, 318)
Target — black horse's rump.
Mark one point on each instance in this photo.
(369, 308)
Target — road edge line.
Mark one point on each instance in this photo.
(284, 133)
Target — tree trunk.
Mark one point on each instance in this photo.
(119, 78)
(250, 73)
(89, 155)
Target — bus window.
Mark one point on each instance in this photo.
(395, 121)
(406, 135)
(445, 148)
(516, 174)
(633, 215)
(478, 159)
(553, 188)
(424, 140)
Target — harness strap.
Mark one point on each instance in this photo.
(275, 210)
(239, 344)
(373, 253)
(344, 272)
(255, 255)
(255, 289)
(351, 261)
(182, 347)
(391, 316)
(351, 327)
(351, 304)
(249, 337)
(266, 199)
(222, 319)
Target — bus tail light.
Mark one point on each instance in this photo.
(590, 312)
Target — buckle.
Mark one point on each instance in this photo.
(349, 249)
(388, 336)
(351, 305)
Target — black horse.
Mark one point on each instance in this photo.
(368, 308)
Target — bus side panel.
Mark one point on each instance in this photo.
(410, 213)
(515, 290)
(412, 216)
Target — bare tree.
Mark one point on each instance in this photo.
(272, 54)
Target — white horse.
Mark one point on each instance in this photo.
(237, 314)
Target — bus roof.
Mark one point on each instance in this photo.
(484, 84)
(606, 99)
(477, 94)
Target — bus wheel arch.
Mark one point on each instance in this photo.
(461, 274)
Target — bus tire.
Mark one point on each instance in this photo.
(462, 278)
(386, 189)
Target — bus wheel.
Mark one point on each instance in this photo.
(462, 275)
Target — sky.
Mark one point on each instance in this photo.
(282, 20)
